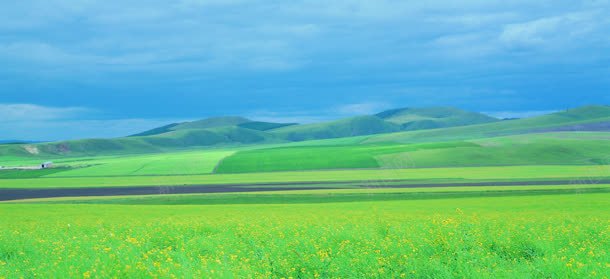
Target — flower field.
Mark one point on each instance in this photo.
(544, 236)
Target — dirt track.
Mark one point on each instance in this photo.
(17, 194)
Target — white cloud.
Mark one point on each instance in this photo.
(532, 32)
(518, 114)
(474, 19)
(464, 46)
(31, 112)
(39, 52)
(35, 122)
(559, 31)
(301, 117)
(50, 130)
(313, 116)
(362, 108)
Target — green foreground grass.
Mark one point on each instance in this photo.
(541, 236)
(578, 174)
(330, 195)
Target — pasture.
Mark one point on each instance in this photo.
(359, 226)
(538, 236)
(544, 149)
(373, 177)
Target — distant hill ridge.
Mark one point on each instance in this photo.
(404, 124)
(433, 118)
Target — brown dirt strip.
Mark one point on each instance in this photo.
(17, 194)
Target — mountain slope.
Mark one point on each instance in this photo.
(588, 115)
(212, 122)
(432, 118)
(264, 126)
(207, 123)
(156, 131)
(355, 126)
(388, 126)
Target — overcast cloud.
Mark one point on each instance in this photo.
(156, 61)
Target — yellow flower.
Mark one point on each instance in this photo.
(132, 240)
(87, 274)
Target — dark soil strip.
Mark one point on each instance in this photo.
(17, 194)
(310, 198)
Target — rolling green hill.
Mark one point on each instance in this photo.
(355, 126)
(440, 124)
(432, 118)
(531, 149)
(264, 126)
(212, 122)
(590, 118)
(220, 136)
(207, 123)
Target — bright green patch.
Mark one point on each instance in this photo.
(555, 236)
(515, 150)
(177, 163)
(19, 174)
(328, 196)
(319, 157)
(578, 174)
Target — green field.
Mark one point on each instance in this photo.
(180, 163)
(545, 213)
(577, 174)
(547, 149)
(334, 195)
(538, 236)
(320, 157)
(539, 149)
(408, 125)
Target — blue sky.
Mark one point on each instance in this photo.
(74, 69)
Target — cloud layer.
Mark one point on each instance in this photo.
(195, 58)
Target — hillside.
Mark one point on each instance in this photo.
(179, 139)
(530, 149)
(207, 123)
(401, 125)
(432, 118)
(589, 118)
(355, 126)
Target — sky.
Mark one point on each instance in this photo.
(76, 69)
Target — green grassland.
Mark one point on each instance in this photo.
(373, 176)
(421, 125)
(433, 118)
(356, 227)
(319, 157)
(332, 195)
(179, 163)
(535, 149)
(169, 163)
(566, 155)
(356, 126)
(544, 123)
(537, 236)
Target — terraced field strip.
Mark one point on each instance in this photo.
(287, 195)
(577, 174)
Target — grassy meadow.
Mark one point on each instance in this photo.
(372, 177)
(393, 205)
(538, 236)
